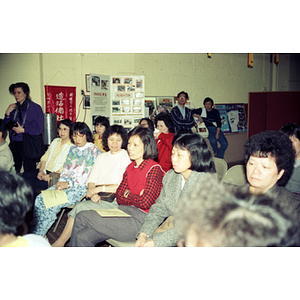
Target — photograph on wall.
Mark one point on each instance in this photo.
(130, 88)
(104, 84)
(165, 101)
(126, 109)
(127, 121)
(137, 109)
(125, 102)
(116, 80)
(139, 83)
(136, 121)
(127, 80)
(87, 102)
(137, 102)
(116, 102)
(87, 83)
(139, 95)
(116, 109)
(95, 81)
(117, 121)
(121, 88)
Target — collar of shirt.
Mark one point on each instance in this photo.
(182, 110)
(142, 164)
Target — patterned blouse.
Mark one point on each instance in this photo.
(78, 164)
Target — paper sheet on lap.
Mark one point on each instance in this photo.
(54, 197)
(113, 212)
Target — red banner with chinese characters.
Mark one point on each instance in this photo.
(61, 100)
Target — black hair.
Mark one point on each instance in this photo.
(291, 129)
(102, 121)
(207, 99)
(275, 144)
(3, 128)
(16, 199)
(166, 118)
(200, 155)
(67, 123)
(150, 123)
(24, 86)
(82, 128)
(147, 137)
(185, 93)
(118, 129)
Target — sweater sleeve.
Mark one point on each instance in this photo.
(150, 194)
(34, 123)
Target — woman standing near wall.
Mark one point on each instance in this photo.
(23, 117)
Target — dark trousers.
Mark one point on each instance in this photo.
(19, 157)
(36, 184)
(90, 228)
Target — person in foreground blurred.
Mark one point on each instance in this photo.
(292, 130)
(231, 218)
(140, 187)
(16, 199)
(269, 158)
(192, 161)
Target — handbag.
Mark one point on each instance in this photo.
(33, 146)
(202, 130)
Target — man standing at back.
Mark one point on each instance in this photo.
(182, 116)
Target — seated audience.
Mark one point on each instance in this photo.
(292, 130)
(76, 170)
(164, 138)
(147, 123)
(53, 159)
(6, 157)
(101, 124)
(16, 199)
(107, 172)
(192, 161)
(269, 158)
(235, 218)
(140, 187)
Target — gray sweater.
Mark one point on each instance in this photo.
(164, 205)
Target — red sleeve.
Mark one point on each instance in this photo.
(122, 187)
(166, 139)
(151, 191)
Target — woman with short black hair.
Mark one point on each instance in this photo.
(140, 187)
(192, 161)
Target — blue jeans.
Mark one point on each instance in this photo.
(212, 131)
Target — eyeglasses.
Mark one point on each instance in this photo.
(78, 135)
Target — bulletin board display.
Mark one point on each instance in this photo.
(127, 105)
(233, 117)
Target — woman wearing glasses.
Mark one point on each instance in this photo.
(75, 172)
(53, 159)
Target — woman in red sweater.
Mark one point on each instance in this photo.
(140, 187)
(164, 137)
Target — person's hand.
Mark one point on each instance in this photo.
(61, 185)
(40, 175)
(149, 243)
(217, 136)
(10, 108)
(45, 177)
(18, 129)
(96, 198)
(141, 240)
(90, 193)
(126, 193)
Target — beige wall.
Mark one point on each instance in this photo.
(224, 77)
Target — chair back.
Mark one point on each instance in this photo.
(221, 167)
(235, 175)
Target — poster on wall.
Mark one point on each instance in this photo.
(127, 100)
(61, 100)
(233, 117)
(100, 96)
